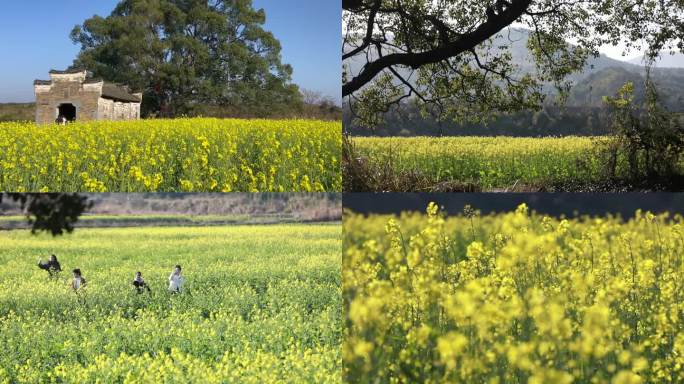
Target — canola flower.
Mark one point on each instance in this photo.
(262, 304)
(182, 155)
(515, 297)
(491, 162)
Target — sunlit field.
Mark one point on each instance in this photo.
(182, 155)
(489, 162)
(513, 298)
(261, 304)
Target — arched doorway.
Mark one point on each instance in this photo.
(68, 111)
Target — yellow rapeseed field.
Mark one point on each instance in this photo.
(513, 298)
(492, 162)
(181, 155)
(261, 304)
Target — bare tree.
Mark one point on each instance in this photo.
(311, 97)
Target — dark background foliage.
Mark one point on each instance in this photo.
(556, 204)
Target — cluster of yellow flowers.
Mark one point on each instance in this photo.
(491, 162)
(261, 304)
(513, 298)
(172, 155)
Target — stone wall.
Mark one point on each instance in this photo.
(106, 109)
(71, 88)
(117, 110)
(67, 89)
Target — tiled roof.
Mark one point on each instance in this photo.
(67, 72)
(109, 90)
(116, 92)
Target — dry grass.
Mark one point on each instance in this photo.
(17, 112)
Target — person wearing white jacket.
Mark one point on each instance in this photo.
(176, 280)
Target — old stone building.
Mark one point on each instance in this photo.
(73, 95)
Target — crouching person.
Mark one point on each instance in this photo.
(139, 283)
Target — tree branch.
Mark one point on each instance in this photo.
(465, 42)
(369, 31)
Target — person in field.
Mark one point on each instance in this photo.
(79, 282)
(176, 280)
(51, 266)
(139, 283)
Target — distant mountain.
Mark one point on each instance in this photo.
(589, 91)
(602, 76)
(516, 41)
(583, 114)
(664, 61)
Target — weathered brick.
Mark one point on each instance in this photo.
(93, 99)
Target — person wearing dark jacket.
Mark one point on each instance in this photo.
(139, 283)
(51, 266)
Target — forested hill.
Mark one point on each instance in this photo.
(589, 91)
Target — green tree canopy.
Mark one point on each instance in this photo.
(185, 54)
(442, 53)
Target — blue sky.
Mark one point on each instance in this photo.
(34, 38)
